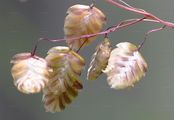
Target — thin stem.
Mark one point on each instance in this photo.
(93, 4)
(82, 45)
(43, 39)
(147, 33)
(132, 9)
(142, 12)
(113, 28)
(147, 17)
(125, 3)
(129, 5)
(35, 47)
(126, 23)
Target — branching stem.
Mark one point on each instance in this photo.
(142, 12)
(43, 39)
(121, 4)
(147, 33)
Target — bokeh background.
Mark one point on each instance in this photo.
(22, 22)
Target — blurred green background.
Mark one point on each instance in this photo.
(22, 22)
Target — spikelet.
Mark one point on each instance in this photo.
(30, 73)
(64, 83)
(126, 66)
(99, 59)
(82, 20)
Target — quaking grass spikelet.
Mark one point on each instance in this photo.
(126, 66)
(30, 73)
(64, 82)
(82, 20)
(99, 59)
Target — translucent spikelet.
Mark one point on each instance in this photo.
(30, 73)
(126, 66)
(64, 83)
(82, 20)
(99, 59)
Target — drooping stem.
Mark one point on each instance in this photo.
(116, 27)
(33, 52)
(113, 28)
(125, 23)
(142, 12)
(81, 45)
(92, 4)
(34, 48)
(147, 33)
(147, 17)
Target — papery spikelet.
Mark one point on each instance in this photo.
(125, 66)
(99, 59)
(82, 20)
(30, 73)
(64, 83)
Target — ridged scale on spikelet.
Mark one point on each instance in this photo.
(99, 59)
(82, 20)
(64, 83)
(30, 73)
(126, 66)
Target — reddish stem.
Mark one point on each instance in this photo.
(142, 12)
(113, 28)
(147, 33)
(126, 23)
(147, 17)
(43, 39)
(122, 24)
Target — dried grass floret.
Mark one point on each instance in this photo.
(126, 66)
(82, 20)
(30, 73)
(99, 59)
(64, 82)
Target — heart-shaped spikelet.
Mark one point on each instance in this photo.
(82, 20)
(30, 73)
(126, 66)
(64, 83)
(99, 59)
